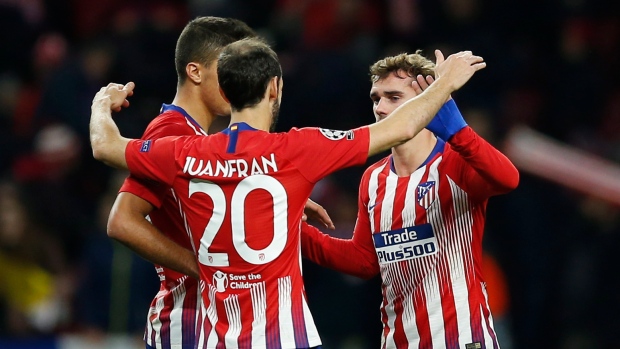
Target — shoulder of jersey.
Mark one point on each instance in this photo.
(376, 164)
(166, 119)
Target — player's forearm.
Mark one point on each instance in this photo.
(128, 225)
(106, 141)
(407, 120)
(498, 172)
(337, 254)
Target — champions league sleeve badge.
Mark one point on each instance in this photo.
(426, 193)
(335, 135)
(146, 146)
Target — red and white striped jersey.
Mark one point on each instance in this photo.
(242, 193)
(171, 320)
(423, 233)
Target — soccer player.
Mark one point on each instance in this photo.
(241, 192)
(171, 320)
(420, 221)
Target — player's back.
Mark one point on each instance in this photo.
(249, 246)
(242, 201)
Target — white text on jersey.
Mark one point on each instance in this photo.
(232, 167)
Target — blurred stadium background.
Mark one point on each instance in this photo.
(550, 98)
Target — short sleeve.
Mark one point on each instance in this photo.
(317, 152)
(154, 159)
(146, 189)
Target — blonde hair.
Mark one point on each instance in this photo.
(412, 64)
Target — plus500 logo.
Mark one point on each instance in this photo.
(407, 252)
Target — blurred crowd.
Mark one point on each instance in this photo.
(552, 65)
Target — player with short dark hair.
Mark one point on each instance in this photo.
(242, 191)
(171, 319)
(420, 221)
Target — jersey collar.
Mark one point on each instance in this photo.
(238, 126)
(437, 149)
(171, 107)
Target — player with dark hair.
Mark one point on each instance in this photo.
(242, 191)
(171, 319)
(420, 221)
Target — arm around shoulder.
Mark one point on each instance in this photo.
(342, 255)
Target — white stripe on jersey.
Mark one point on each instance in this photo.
(408, 216)
(433, 307)
(159, 306)
(200, 338)
(372, 191)
(488, 339)
(259, 307)
(176, 315)
(388, 202)
(211, 312)
(233, 315)
(198, 131)
(285, 315)
(390, 278)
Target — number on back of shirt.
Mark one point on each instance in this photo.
(237, 217)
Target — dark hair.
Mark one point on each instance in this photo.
(244, 70)
(203, 38)
(412, 64)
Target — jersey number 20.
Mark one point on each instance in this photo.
(237, 217)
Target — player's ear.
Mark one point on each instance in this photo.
(223, 95)
(274, 88)
(192, 70)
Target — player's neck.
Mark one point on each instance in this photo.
(196, 109)
(258, 117)
(410, 155)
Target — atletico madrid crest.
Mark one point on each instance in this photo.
(426, 193)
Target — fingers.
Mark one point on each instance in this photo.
(323, 217)
(128, 88)
(416, 86)
(317, 212)
(479, 66)
(439, 57)
(421, 83)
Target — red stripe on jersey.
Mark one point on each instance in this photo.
(448, 306)
(378, 204)
(399, 205)
(299, 324)
(421, 319)
(487, 320)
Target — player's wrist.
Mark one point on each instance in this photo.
(448, 121)
(102, 103)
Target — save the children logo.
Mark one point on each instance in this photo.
(222, 281)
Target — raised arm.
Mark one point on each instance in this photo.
(105, 139)
(412, 116)
(486, 170)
